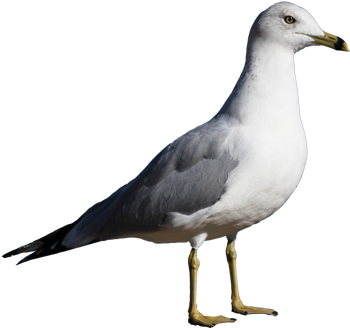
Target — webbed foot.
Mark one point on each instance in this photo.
(245, 310)
(197, 318)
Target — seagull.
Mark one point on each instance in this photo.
(223, 176)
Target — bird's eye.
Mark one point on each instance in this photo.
(289, 19)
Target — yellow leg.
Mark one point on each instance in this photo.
(195, 317)
(237, 305)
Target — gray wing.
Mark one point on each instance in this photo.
(186, 176)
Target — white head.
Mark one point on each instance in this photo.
(291, 26)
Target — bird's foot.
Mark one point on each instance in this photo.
(238, 307)
(197, 318)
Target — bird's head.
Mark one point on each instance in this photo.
(291, 26)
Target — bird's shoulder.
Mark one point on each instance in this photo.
(203, 143)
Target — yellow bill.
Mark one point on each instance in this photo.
(331, 41)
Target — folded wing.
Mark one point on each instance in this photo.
(186, 176)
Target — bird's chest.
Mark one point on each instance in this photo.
(267, 174)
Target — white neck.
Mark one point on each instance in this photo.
(266, 89)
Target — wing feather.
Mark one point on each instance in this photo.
(186, 176)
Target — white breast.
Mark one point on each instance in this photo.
(265, 178)
(268, 141)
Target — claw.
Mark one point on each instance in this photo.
(233, 317)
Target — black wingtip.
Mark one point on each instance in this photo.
(47, 245)
(27, 258)
(14, 252)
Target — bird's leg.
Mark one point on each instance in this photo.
(195, 317)
(237, 305)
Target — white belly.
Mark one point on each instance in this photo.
(265, 178)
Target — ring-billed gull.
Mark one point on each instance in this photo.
(224, 176)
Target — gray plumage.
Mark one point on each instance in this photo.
(185, 177)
